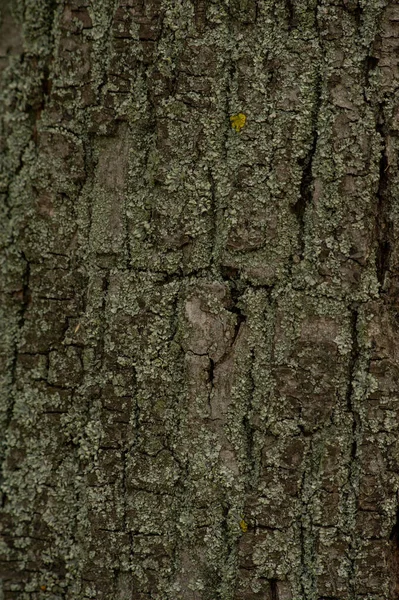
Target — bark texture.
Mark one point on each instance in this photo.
(199, 299)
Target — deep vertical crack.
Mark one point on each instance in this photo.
(306, 163)
(211, 378)
(273, 589)
(394, 558)
(213, 211)
(289, 8)
(350, 392)
(250, 431)
(383, 225)
(354, 356)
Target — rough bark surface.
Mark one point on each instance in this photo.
(199, 312)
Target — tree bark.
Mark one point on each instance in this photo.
(199, 299)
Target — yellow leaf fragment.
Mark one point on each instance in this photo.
(238, 121)
(243, 526)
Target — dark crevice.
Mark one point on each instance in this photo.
(370, 66)
(214, 204)
(353, 361)
(354, 357)
(273, 589)
(289, 8)
(383, 224)
(230, 273)
(129, 264)
(241, 318)
(211, 372)
(231, 70)
(306, 163)
(40, 99)
(357, 12)
(394, 562)
(302, 536)
(262, 527)
(256, 11)
(101, 336)
(105, 286)
(232, 276)
(249, 439)
(213, 211)
(124, 488)
(394, 536)
(354, 440)
(252, 461)
(304, 432)
(350, 391)
(353, 8)
(211, 380)
(46, 82)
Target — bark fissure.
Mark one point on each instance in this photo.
(353, 467)
(250, 430)
(306, 185)
(383, 222)
(290, 14)
(394, 558)
(213, 215)
(274, 589)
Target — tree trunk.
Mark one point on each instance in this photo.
(199, 299)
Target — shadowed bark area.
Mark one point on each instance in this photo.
(199, 300)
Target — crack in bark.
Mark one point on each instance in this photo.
(302, 545)
(383, 225)
(241, 318)
(356, 9)
(353, 491)
(274, 589)
(371, 64)
(124, 489)
(211, 378)
(289, 7)
(394, 558)
(213, 207)
(354, 357)
(250, 431)
(306, 185)
(101, 341)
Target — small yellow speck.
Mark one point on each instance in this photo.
(243, 526)
(238, 121)
(43, 588)
(77, 328)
